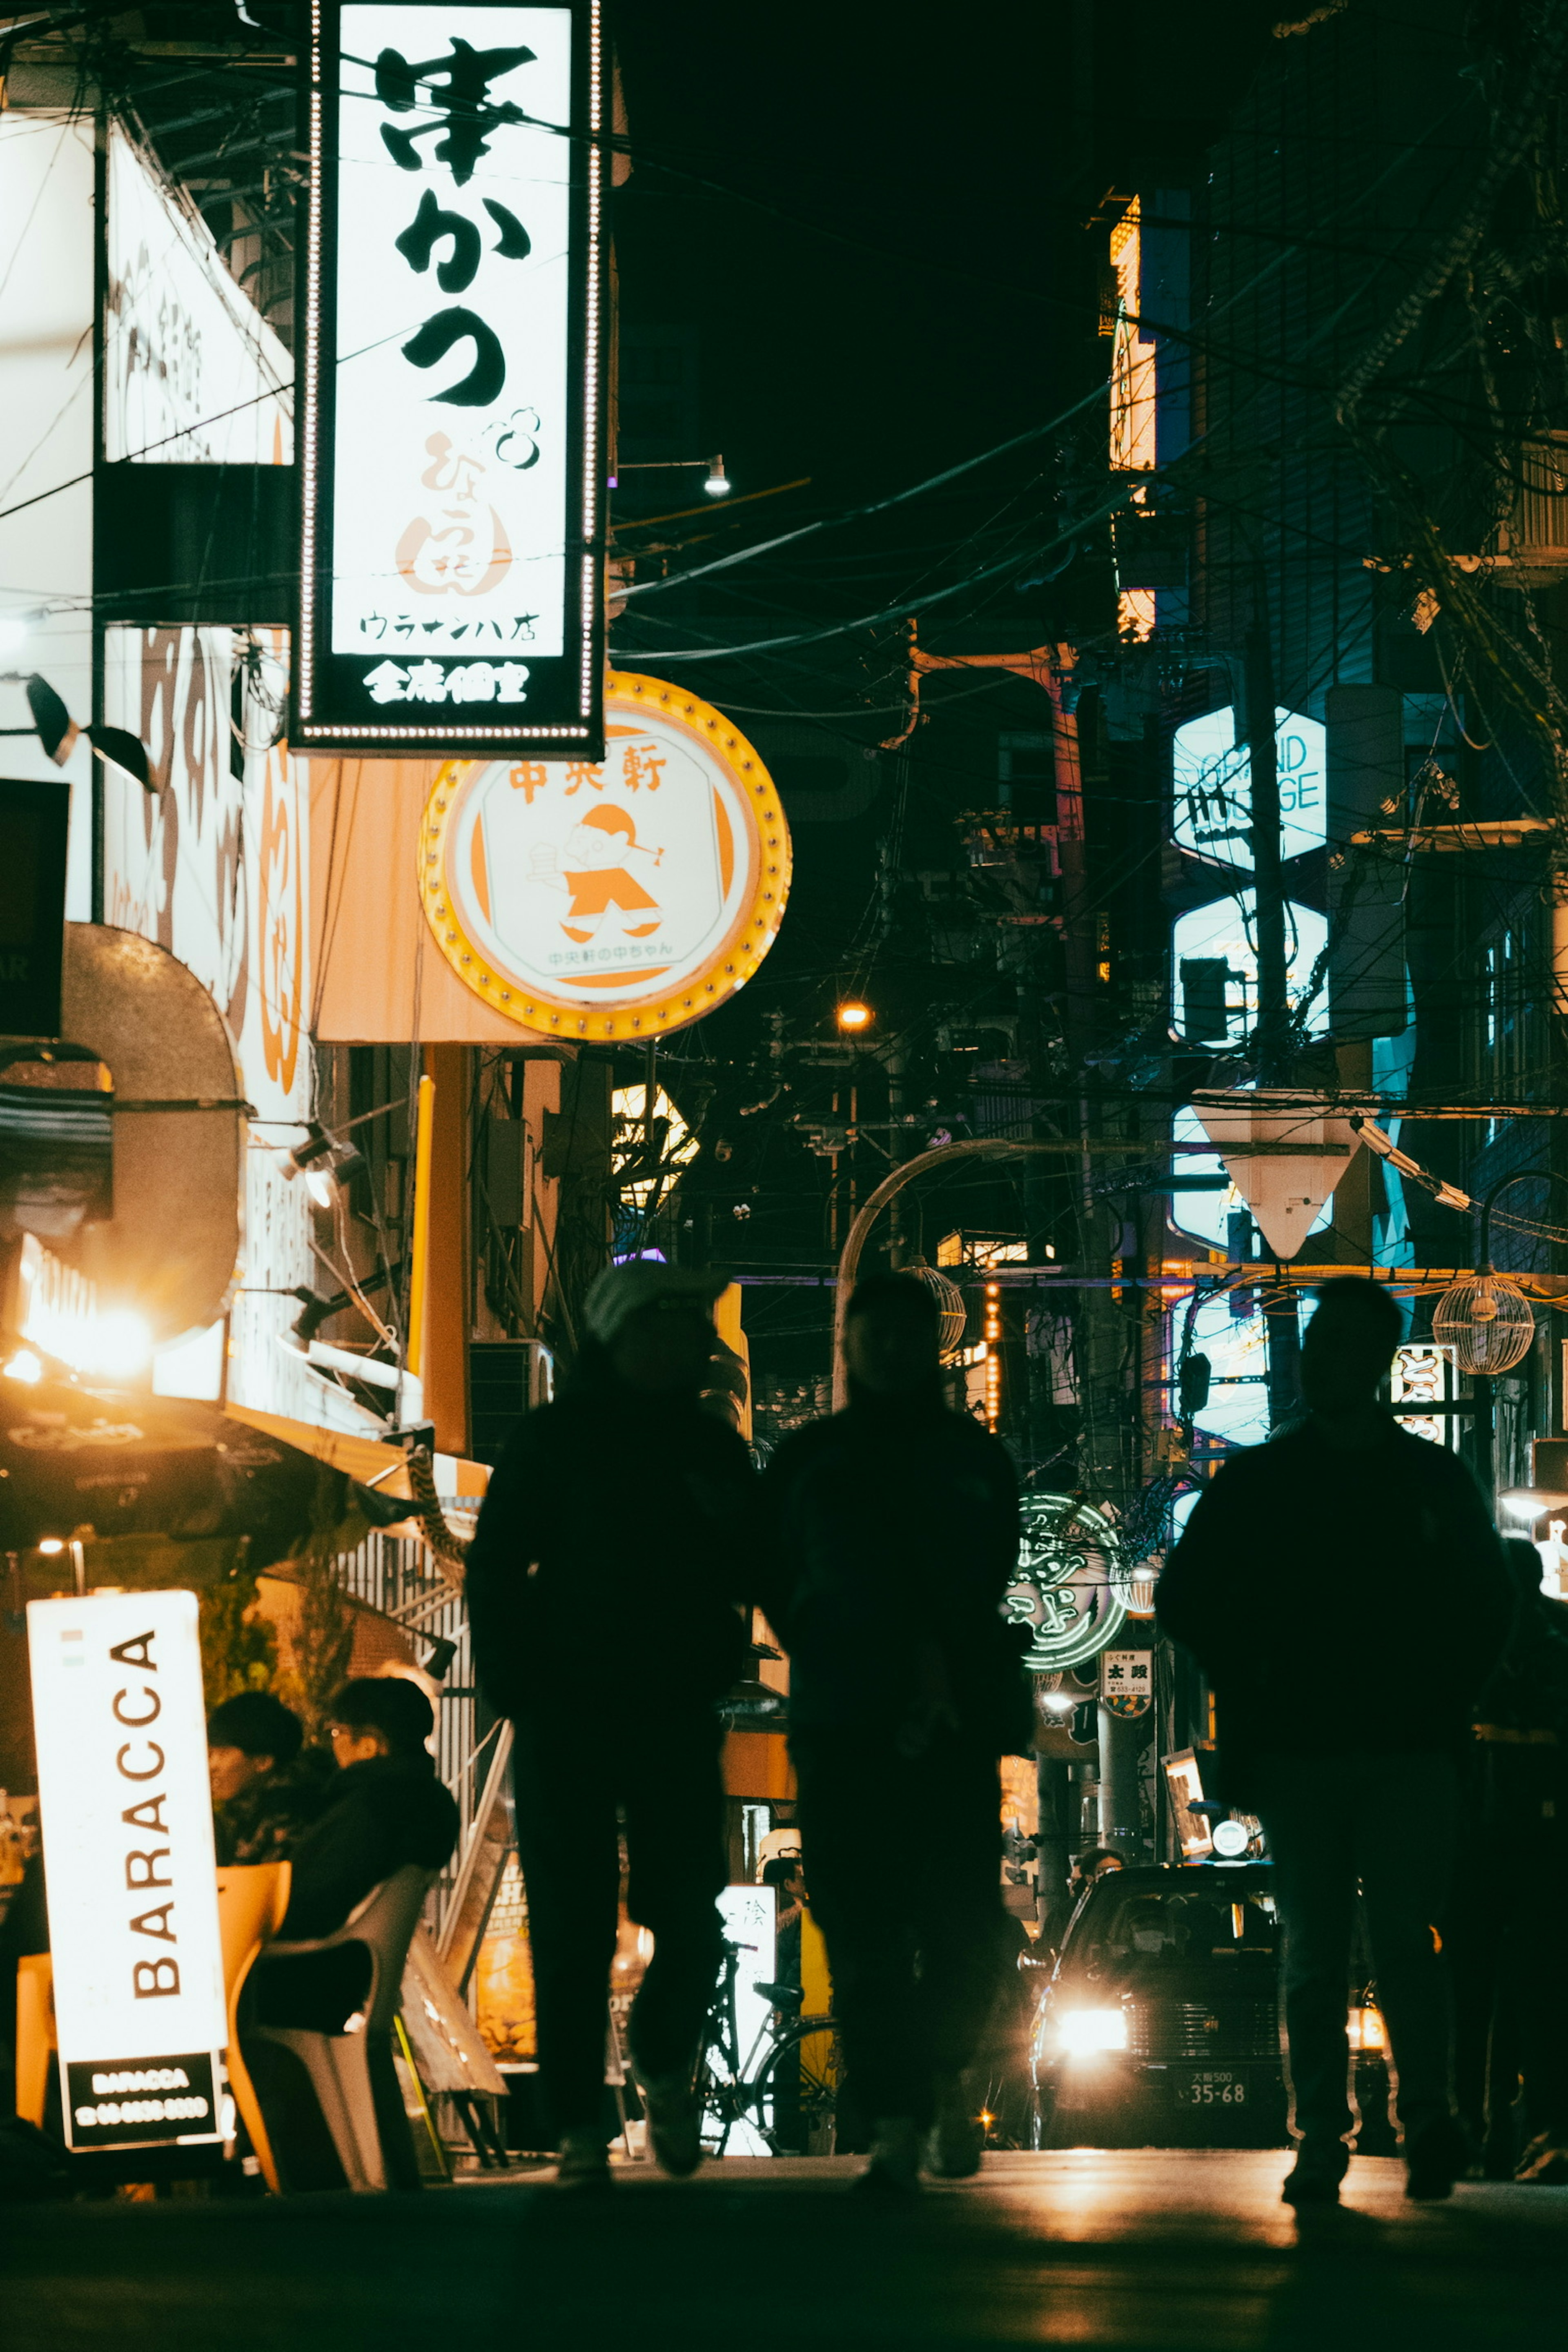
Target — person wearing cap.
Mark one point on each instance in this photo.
(604, 1586)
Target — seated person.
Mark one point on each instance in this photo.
(385, 1809)
(264, 1792)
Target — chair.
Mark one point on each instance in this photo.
(353, 2075)
(37, 2040)
(251, 1900)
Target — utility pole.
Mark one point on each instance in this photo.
(1272, 1035)
(1270, 1038)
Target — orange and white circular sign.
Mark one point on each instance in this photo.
(610, 899)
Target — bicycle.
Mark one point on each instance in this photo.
(778, 2077)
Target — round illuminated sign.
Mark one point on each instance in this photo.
(613, 899)
(1070, 1586)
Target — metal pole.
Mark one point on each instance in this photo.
(1120, 1826)
(1258, 714)
(1483, 1387)
(419, 1255)
(1053, 1844)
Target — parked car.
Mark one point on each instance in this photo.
(1160, 2022)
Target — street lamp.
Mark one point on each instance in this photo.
(853, 1015)
(717, 484)
(1485, 1321)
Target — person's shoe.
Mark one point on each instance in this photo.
(1433, 2160)
(674, 2124)
(1315, 2175)
(957, 2139)
(894, 2169)
(584, 2162)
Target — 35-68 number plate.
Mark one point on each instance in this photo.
(1210, 2089)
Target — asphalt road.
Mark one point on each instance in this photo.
(1171, 2251)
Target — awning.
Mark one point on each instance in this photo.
(366, 1460)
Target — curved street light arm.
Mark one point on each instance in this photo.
(1520, 1176)
(977, 1146)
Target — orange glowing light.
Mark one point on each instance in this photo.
(854, 1014)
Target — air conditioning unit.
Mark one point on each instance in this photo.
(1533, 542)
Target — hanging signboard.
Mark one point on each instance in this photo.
(1126, 1681)
(1069, 1587)
(126, 1815)
(1211, 776)
(450, 381)
(192, 371)
(610, 898)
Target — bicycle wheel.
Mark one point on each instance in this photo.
(792, 2098)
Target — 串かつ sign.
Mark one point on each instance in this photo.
(126, 1813)
(615, 897)
(450, 414)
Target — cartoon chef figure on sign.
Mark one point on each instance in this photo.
(592, 868)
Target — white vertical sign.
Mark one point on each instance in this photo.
(450, 375)
(126, 1815)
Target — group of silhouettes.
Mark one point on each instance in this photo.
(1343, 1588)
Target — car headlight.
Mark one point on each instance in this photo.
(1084, 2032)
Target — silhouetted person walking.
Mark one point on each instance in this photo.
(1506, 1931)
(602, 1587)
(890, 1534)
(1345, 1590)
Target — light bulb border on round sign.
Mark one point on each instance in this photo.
(700, 991)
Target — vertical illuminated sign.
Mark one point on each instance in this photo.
(1212, 774)
(126, 1815)
(449, 382)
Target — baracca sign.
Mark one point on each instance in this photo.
(450, 412)
(126, 1815)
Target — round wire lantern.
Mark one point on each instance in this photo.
(950, 1299)
(1485, 1321)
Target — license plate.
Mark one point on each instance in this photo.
(1212, 2090)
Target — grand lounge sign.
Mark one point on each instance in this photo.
(132, 1895)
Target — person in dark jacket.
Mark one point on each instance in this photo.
(602, 1585)
(1344, 1589)
(384, 1809)
(267, 1787)
(890, 1534)
(1506, 1932)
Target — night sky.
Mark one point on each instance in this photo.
(853, 209)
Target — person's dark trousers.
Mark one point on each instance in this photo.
(572, 1782)
(1542, 1941)
(1475, 1932)
(915, 1926)
(1388, 1821)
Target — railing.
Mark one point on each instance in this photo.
(399, 1577)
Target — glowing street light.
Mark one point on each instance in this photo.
(853, 1015)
